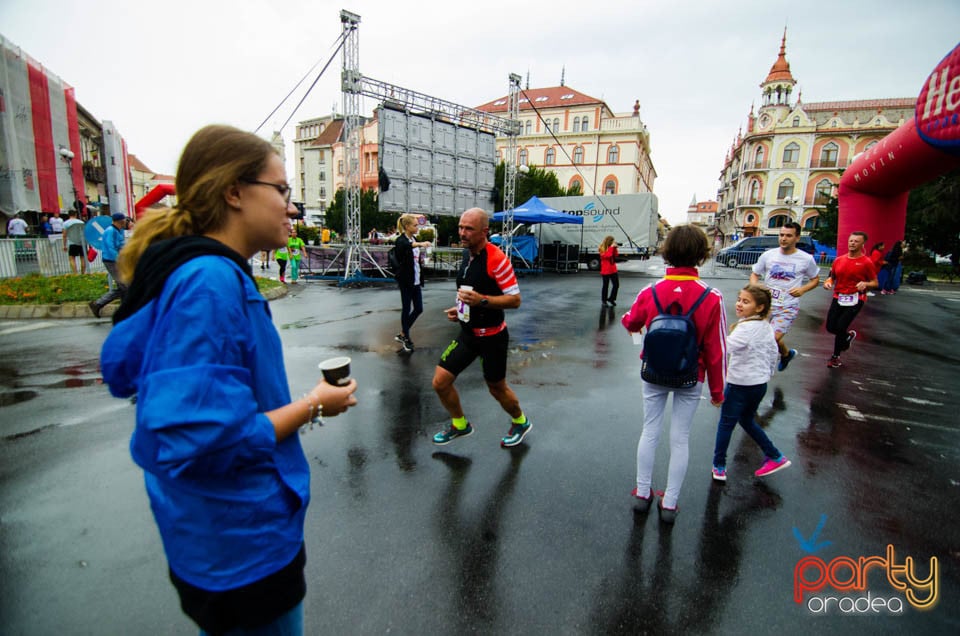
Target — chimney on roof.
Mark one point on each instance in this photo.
(563, 74)
(528, 80)
(636, 108)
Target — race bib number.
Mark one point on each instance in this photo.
(295, 252)
(848, 300)
(778, 294)
(282, 250)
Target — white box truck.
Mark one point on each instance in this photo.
(632, 220)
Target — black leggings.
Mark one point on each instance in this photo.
(839, 319)
(607, 279)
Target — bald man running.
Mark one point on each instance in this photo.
(483, 334)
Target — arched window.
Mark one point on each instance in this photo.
(812, 223)
(791, 154)
(823, 192)
(584, 124)
(576, 185)
(610, 187)
(828, 155)
(758, 157)
(785, 190)
(777, 221)
(550, 157)
(869, 146)
(546, 126)
(576, 124)
(528, 126)
(754, 192)
(578, 154)
(522, 160)
(556, 125)
(613, 154)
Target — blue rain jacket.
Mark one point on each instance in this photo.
(206, 363)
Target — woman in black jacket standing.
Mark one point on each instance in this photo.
(408, 277)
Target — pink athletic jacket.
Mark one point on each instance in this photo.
(683, 285)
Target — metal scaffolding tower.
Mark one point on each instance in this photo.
(350, 84)
(510, 172)
(354, 85)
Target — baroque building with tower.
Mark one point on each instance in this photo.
(787, 165)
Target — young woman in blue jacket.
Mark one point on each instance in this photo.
(216, 427)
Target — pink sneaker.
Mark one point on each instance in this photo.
(771, 466)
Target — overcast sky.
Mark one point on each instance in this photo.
(161, 70)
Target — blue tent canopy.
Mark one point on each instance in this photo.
(536, 211)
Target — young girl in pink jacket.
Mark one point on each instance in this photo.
(685, 248)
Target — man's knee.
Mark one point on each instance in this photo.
(442, 379)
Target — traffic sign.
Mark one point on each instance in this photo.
(94, 230)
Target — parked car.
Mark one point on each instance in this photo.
(746, 251)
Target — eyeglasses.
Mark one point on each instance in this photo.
(285, 191)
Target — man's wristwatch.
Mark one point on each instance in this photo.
(484, 301)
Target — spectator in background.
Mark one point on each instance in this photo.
(295, 248)
(56, 224)
(408, 277)
(893, 270)
(45, 227)
(73, 242)
(608, 271)
(876, 255)
(16, 226)
(112, 242)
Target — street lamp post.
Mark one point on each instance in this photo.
(67, 156)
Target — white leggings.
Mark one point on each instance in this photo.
(685, 403)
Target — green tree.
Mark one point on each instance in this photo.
(370, 214)
(826, 230)
(933, 215)
(536, 181)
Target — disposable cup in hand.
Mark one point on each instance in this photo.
(463, 309)
(336, 371)
(637, 337)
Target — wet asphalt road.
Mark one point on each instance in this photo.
(405, 537)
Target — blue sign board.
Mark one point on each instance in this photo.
(94, 230)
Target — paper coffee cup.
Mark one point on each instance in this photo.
(463, 309)
(336, 371)
(637, 337)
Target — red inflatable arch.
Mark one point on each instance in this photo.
(158, 192)
(874, 189)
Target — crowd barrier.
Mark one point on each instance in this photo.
(39, 255)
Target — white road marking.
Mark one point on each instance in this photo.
(32, 326)
(920, 401)
(852, 412)
(907, 423)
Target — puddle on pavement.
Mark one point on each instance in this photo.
(9, 398)
(21, 385)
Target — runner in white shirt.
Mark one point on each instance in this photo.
(783, 269)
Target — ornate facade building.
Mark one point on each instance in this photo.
(319, 162)
(582, 141)
(788, 164)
